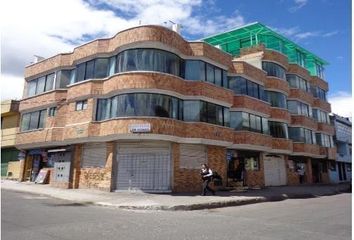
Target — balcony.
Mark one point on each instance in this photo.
(246, 102)
(280, 114)
(46, 98)
(252, 140)
(298, 70)
(301, 95)
(329, 153)
(315, 80)
(282, 144)
(8, 137)
(274, 83)
(303, 121)
(326, 128)
(323, 105)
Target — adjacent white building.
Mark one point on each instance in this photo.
(342, 170)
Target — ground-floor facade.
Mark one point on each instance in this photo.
(165, 166)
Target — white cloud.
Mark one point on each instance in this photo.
(304, 35)
(11, 87)
(46, 28)
(298, 5)
(342, 103)
(330, 34)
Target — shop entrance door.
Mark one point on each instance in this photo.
(274, 171)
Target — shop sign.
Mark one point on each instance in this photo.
(140, 128)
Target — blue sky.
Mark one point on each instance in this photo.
(49, 27)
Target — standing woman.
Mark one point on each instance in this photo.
(206, 174)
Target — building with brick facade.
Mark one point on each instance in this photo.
(10, 119)
(145, 108)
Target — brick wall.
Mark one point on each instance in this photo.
(274, 83)
(304, 121)
(301, 95)
(252, 104)
(255, 178)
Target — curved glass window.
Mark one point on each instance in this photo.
(299, 108)
(194, 70)
(276, 99)
(324, 140)
(278, 129)
(298, 82)
(274, 69)
(320, 116)
(298, 134)
(250, 122)
(138, 104)
(158, 105)
(201, 111)
(318, 92)
(148, 60)
(241, 85)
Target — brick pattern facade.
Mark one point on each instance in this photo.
(301, 95)
(256, 105)
(77, 127)
(303, 121)
(298, 70)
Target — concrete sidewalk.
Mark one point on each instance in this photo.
(179, 201)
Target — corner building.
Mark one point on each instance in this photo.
(145, 108)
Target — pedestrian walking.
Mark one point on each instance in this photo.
(207, 175)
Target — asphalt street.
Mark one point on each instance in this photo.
(36, 217)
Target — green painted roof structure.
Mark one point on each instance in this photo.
(256, 33)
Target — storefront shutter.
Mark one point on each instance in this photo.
(192, 156)
(94, 155)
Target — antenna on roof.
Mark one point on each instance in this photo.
(37, 58)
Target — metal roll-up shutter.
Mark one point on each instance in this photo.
(192, 156)
(94, 155)
(144, 166)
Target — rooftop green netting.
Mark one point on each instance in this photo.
(256, 33)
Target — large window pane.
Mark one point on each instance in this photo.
(112, 66)
(274, 69)
(265, 126)
(89, 74)
(49, 82)
(218, 76)
(293, 107)
(34, 120)
(80, 72)
(226, 112)
(195, 70)
(236, 120)
(278, 129)
(191, 111)
(63, 79)
(42, 118)
(31, 88)
(25, 123)
(101, 67)
(210, 73)
(252, 89)
(224, 79)
(211, 113)
(40, 85)
(276, 99)
(203, 112)
(245, 120)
